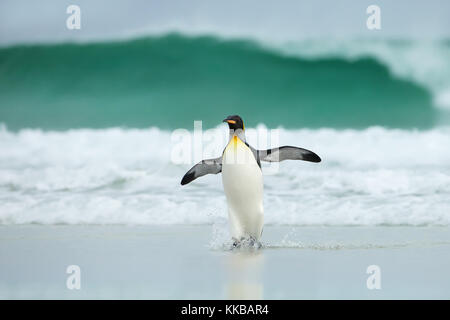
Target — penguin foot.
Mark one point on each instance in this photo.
(246, 242)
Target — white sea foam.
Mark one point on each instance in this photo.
(125, 176)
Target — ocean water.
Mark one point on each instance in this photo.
(87, 129)
(171, 79)
(374, 176)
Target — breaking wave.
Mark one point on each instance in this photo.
(374, 176)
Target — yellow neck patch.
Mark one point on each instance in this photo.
(234, 143)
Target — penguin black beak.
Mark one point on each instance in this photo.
(229, 121)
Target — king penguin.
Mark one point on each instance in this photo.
(242, 179)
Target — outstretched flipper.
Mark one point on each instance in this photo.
(287, 153)
(209, 166)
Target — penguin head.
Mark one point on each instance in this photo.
(234, 122)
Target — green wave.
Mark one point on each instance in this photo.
(169, 81)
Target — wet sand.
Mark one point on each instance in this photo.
(193, 262)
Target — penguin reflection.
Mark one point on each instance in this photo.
(244, 271)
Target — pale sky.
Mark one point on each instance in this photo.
(23, 21)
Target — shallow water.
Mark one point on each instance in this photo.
(181, 262)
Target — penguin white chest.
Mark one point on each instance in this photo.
(243, 186)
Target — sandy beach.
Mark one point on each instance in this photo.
(193, 262)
